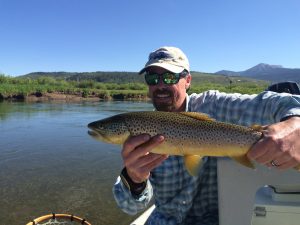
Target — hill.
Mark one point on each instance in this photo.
(99, 76)
(43, 86)
(263, 71)
(133, 77)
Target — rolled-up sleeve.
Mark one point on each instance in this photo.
(265, 108)
(127, 202)
(284, 105)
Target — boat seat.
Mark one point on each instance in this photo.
(238, 186)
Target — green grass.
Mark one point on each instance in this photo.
(24, 86)
(243, 88)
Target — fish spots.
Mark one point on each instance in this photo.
(181, 132)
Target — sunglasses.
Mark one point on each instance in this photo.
(168, 77)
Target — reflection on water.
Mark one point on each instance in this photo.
(48, 163)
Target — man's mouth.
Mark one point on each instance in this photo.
(162, 94)
(165, 95)
(163, 100)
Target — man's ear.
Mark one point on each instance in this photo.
(188, 79)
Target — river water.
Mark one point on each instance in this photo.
(48, 162)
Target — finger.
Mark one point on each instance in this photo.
(149, 145)
(258, 149)
(138, 176)
(270, 155)
(141, 174)
(262, 150)
(289, 164)
(273, 163)
(283, 159)
(262, 145)
(147, 159)
(155, 163)
(142, 150)
(132, 142)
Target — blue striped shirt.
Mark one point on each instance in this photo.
(182, 199)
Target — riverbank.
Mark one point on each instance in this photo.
(59, 89)
(73, 97)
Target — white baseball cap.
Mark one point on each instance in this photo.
(169, 58)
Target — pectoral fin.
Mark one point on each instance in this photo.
(244, 160)
(192, 163)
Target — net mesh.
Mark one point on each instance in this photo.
(58, 222)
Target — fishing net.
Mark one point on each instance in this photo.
(59, 219)
(57, 222)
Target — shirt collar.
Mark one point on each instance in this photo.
(187, 103)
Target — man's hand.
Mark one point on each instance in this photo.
(137, 157)
(279, 146)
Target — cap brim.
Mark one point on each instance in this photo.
(167, 66)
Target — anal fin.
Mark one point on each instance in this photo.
(192, 164)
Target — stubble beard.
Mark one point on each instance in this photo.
(161, 104)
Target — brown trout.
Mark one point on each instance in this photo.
(189, 134)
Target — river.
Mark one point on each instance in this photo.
(48, 162)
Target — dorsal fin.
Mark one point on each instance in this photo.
(198, 116)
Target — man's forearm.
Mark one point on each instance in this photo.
(129, 203)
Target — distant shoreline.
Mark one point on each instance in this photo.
(63, 97)
(106, 87)
(33, 94)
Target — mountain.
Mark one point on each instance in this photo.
(261, 68)
(228, 73)
(263, 71)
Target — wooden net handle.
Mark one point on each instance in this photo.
(62, 216)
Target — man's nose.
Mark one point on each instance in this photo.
(160, 82)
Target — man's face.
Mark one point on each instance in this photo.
(168, 97)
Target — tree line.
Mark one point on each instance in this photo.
(113, 83)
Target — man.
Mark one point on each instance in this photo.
(179, 197)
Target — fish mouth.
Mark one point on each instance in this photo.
(96, 135)
(93, 133)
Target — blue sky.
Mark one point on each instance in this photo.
(111, 35)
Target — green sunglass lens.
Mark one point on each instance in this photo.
(152, 79)
(170, 78)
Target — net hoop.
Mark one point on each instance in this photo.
(66, 217)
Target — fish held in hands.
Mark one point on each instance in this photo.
(189, 134)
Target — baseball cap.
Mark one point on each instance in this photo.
(169, 58)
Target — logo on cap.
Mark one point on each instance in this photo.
(160, 55)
